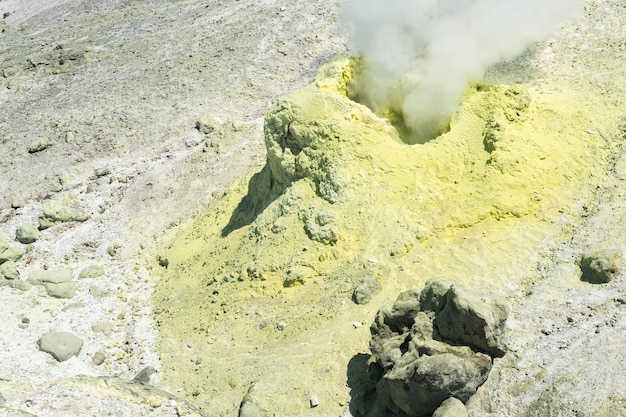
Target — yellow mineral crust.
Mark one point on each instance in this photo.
(342, 197)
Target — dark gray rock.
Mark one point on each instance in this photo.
(420, 372)
(433, 296)
(452, 407)
(599, 267)
(61, 345)
(391, 326)
(417, 366)
(419, 387)
(474, 319)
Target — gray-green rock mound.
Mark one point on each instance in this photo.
(91, 271)
(61, 345)
(61, 210)
(57, 282)
(10, 252)
(26, 233)
(599, 267)
(9, 271)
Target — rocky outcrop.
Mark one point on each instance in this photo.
(434, 344)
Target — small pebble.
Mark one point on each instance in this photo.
(314, 401)
(357, 324)
(189, 345)
(281, 326)
(98, 358)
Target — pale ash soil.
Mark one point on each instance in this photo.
(150, 70)
(138, 77)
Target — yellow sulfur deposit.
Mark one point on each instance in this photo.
(343, 197)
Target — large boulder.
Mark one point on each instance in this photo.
(418, 367)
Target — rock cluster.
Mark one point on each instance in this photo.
(9, 254)
(434, 344)
(220, 136)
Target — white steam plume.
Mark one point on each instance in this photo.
(421, 54)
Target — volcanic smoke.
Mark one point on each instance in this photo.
(420, 55)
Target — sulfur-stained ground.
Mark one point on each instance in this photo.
(208, 249)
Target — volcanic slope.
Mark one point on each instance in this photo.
(341, 197)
